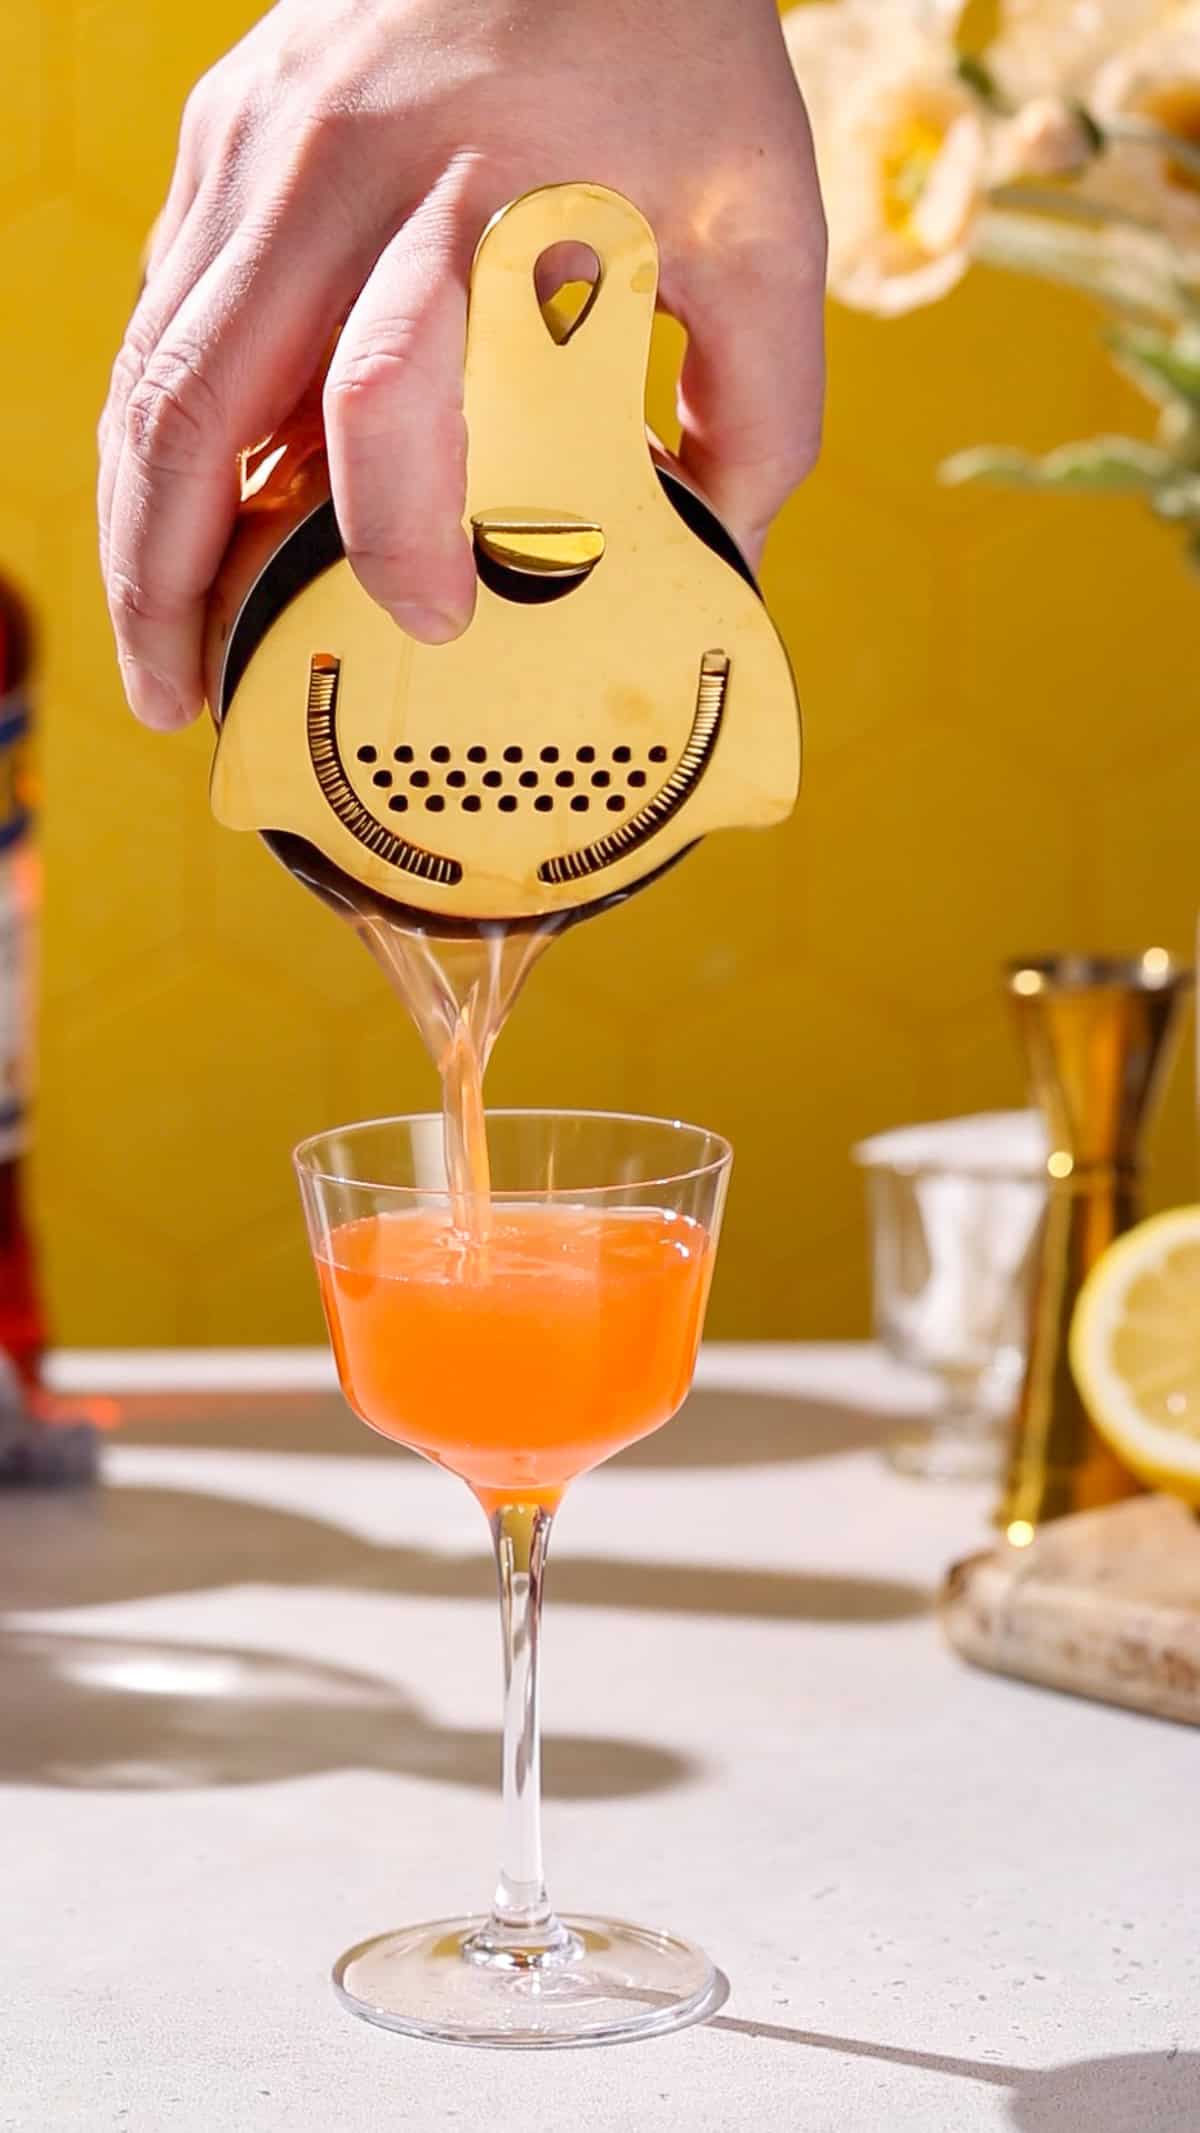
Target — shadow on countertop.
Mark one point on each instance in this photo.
(715, 1427)
(1129, 2092)
(118, 1712)
(88, 1549)
(103, 1713)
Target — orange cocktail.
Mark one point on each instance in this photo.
(520, 1361)
(517, 1335)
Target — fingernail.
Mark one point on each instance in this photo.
(151, 698)
(429, 625)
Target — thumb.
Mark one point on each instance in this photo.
(396, 434)
(750, 394)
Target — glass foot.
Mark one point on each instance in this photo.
(617, 1982)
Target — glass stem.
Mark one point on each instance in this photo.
(522, 1931)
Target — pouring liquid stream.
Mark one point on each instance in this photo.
(458, 989)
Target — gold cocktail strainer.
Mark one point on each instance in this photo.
(620, 690)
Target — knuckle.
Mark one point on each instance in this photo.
(127, 369)
(787, 460)
(212, 92)
(235, 136)
(198, 109)
(130, 602)
(373, 370)
(798, 460)
(131, 360)
(800, 444)
(330, 119)
(172, 419)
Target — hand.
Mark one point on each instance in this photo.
(339, 165)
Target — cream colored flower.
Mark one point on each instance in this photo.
(1044, 47)
(902, 148)
(1048, 137)
(1154, 84)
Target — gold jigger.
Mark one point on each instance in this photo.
(1099, 1035)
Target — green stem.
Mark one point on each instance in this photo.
(1143, 133)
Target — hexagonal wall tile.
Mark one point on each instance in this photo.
(107, 1283)
(999, 703)
(74, 274)
(118, 845)
(213, 1072)
(23, 30)
(255, 908)
(1069, 643)
(125, 141)
(261, 1288)
(879, 674)
(1143, 845)
(922, 874)
(907, 392)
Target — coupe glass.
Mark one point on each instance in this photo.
(517, 1354)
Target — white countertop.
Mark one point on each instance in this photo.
(250, 1697)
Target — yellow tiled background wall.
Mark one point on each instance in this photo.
(1004, 755)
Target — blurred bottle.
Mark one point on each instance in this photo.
(41, 1440)
(22, 1333)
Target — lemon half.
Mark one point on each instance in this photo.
(1135, 1350)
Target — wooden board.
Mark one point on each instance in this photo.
(1104, 1604)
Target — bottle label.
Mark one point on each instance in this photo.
(16, 945)
(15, 798)
(16, 924)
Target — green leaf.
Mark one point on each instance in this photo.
(1161, 363)
(1090, 126)
(1111, 465)
(975, 76)
(993, 463)
(1135, 271)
